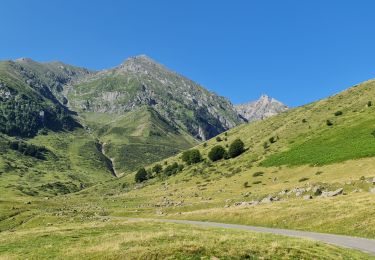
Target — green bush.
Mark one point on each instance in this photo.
(157, 168)
(218, 139)
(173, 169)
(141, 175)
(257, 174)
(369, 104)
(191, 156)
(236, 148)
(338, 113)
(329, 123)
(272, 139)
(217, 153)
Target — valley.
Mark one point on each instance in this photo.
(309, 168)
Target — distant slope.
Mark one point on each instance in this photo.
(262, 108)
(28, 102)
(144, 112)
(72, 161)
(137, 137)
(140, 81)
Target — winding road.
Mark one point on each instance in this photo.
(362, 244)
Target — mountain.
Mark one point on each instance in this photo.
(140, 81)
(262, 108)
(144, 112)
(71, 127)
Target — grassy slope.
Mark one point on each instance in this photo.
(73, 160)
(138, 134)
(151, 240)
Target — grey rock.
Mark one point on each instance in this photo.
(307, 197)
(262, 108)
(372, 190)
(332, 193)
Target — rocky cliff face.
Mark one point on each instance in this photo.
(262, 108)
(140, 81)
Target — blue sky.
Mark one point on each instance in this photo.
(296, 51)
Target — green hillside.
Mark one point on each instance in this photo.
(136, 138)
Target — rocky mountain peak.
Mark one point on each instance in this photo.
(25, 59)
(140, 64)
(264, 107)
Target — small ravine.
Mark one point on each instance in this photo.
(110, 161)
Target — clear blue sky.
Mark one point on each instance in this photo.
(296, 51)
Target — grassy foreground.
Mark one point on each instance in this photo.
(151, 240)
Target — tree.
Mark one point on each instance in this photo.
(236, 148)
(157, 168)
(173, 169)
(141, 175)
(191, 156)
(217, 153)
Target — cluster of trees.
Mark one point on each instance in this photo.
(21, 116)
(190, 157)
(218, 152)
(35, 151)
(143, 174)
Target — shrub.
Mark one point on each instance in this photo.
(304, 120)
(303, 179)
(236, 148)
(217, 153)
(257, 182)
(329, 123)
(265, 145)
(173, 169)
(257, 174)
(218, 139)
(246, 184)
(157, 168)
(192, 156)
(338, 113)
(141, 175)
(272, 139)
(369, 104)
(205, 145)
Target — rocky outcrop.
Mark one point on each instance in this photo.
(262, 108)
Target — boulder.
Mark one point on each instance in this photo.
(372, 190)
(266, 200)
(332, 193)
(307, 197)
